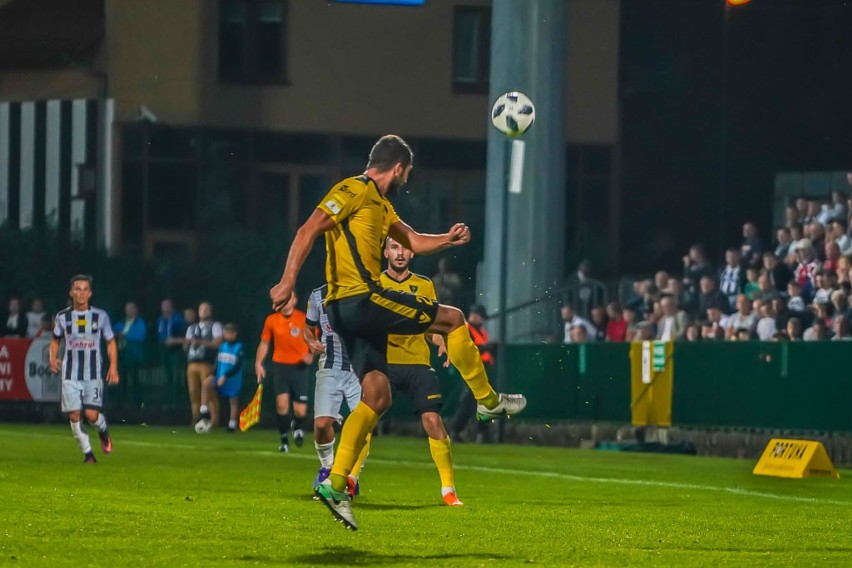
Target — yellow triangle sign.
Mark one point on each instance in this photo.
(795, 459)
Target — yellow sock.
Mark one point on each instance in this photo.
(443, 459)
(353, 437)
(359, 464)
(465, 357)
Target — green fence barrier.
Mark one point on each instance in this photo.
(801, 386)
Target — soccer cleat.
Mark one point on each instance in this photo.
(451, 500)
(106, 442)
(284, 448)
(322, 475)
(231, 429)
(338, 502)
(507, 405)
(90, 458)
(353, 486)
(298, 437)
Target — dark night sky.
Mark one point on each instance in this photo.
(788, 80)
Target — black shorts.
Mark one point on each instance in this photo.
(420, 384)
(364, 321)
(291, 379)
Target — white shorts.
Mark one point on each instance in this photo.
(77, 395)
(332, 387)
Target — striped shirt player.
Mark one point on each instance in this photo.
(84, 329)
(335, 382)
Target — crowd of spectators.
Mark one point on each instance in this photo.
(795, 288)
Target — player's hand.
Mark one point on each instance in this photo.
(260, 371)
(308, 358)
(459, 234)
(112, 376)
(280, 295)
(442, 348)
(315, 346)
(54, 366)
(220, 381)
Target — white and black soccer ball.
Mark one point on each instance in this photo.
(203, 426)
(513, 113)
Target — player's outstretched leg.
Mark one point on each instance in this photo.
(465, 357)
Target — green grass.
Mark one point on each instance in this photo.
(169, 497)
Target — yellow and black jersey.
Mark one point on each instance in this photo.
(409, 349)
(362, 217)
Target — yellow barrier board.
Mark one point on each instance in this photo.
(651, 377)
(795, 459)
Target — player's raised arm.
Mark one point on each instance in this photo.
(317, 224)
(421, 243)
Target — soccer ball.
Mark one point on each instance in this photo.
(513, 113)
(203, 426)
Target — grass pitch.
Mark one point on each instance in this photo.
(169, 497)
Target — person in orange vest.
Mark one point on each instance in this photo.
(467, 405)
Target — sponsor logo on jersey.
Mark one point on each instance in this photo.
(413, 288)
(81, 343)
(344, 189)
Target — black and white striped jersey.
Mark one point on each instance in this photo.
(84, 333)
(335, 354)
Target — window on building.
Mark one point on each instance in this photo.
(471, 49)
(252, 41)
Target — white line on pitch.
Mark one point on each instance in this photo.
(503, 471)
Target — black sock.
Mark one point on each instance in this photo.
(283, 426)
(297, 422)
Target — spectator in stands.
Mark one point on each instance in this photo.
(570, 319)
(794, 329)
(630, 321)
(751, 288)
(693, 332)
(190, 317)
(795, 301)
(710, 296)
(684, 299)
(672, 324)
(838, 205)
(171, 334)
(841, 328)
(802, 208)
(807, 267)
(782, 313)
(447, 283)
(766, 325)
(764, 285)
(731, 277)
(579, 334)
(695, 267)
(717, 317)
(791, 216)
(46, 328)
(782, 242)
(581, 280)
(843, 266)
(616, 326)
(15, 320)
(832, 256)
(778, 272)
(825, 312)
(816, 235)
(644, 331)
(826, 283)
(817, 332)
(130, 334)
(838, 232)
(599, 320)
(711, 331)
(752, 247)
(814, 207)
(743, 318)
(741, 334)
(661, 279)
(840, 301)
(34, 317)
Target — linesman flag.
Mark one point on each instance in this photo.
(251, 413)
